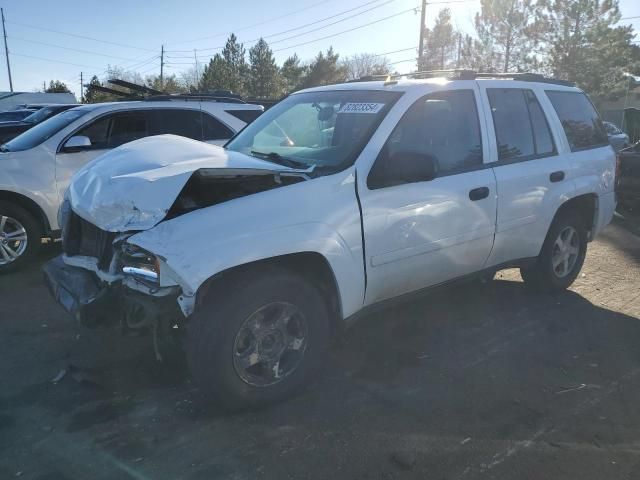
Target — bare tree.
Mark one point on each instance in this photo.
(364, 64)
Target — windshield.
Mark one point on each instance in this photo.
(321, 129)
(43, 131)
(40, 115)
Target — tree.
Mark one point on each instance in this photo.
(506, 29)
(585, 46)
(292, 73)
(264, 75)
(234, 56)
(214, 76)
(440, 44)
(56, 86)
(364, 64)
(94, 96)
(227, 70)
(170, 84)
(325, 70)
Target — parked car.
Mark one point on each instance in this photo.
(617, 137)
(36, 166)
(335, 201)
(628, 179)
(10, 130)
(15, 115)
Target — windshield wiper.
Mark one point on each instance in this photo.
(278, 159)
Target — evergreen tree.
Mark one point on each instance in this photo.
(264, 76)
(325, 70)
(506, 30)
(56, 86)
(292, 73)
(215, 75)
(440, 44)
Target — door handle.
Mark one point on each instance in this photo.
(557, 176)
(478, 193)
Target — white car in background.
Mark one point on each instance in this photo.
(36, 167)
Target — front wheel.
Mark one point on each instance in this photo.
(258, 338)
(562, 255)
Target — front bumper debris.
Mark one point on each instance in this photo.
(79, 292)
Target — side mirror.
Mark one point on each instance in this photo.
(401, 167)
(77, 143)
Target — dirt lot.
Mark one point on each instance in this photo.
(475, 381)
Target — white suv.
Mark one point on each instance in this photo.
(334, 201)
(36, 167)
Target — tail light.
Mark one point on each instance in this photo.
(616, 180)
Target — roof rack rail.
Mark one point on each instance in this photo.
(224, 98)
(464, 74)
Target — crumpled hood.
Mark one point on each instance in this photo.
(133, 186)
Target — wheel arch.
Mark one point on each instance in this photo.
(585, 205)
(311, 265)
(29, 205)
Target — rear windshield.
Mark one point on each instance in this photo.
(581, 122)
(43, 131)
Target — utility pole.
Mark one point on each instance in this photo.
(81, 91)
(421, 42)
(6, 50)
(195, 58)
(161, 67)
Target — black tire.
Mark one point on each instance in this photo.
(212, 332)
(34, 235)
(541, 275)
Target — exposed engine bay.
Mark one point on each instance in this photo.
(207, 187)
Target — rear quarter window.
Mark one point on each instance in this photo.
(580, 120)
(247, 116)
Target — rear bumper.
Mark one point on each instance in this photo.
(78, 291)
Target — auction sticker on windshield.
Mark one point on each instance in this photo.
(361, 108)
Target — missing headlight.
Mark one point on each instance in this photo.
(139, 263)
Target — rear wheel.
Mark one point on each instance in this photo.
(20, 237)
(258, 338)
(562, 254)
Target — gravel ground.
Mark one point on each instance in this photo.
(473, 381)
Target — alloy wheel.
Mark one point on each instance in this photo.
(270, 344)
(13, 240)
(566, 250)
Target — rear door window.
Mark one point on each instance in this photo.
(116, 129)
(522, 130)
(581, 122)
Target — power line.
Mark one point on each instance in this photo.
(308, 24)
(249, 26)
(80, 36)
(330, 24)
(69, 48)
(52, 60)
(630, 18)
(414, 9)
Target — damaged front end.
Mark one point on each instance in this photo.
(102, 280)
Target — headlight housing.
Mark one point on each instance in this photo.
(139, 263)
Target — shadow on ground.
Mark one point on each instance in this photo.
(474, 381)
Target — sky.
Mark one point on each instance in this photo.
(59, 40)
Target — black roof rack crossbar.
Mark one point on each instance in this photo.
(135, 87)
(111, 91)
